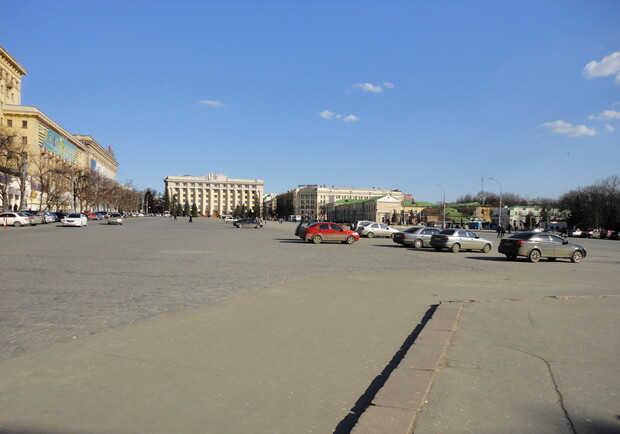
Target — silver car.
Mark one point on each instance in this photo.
(115, 219)
(460, 239)
(537, 245)
(417, 236)
(377, 230)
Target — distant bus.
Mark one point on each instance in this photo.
(554, 226)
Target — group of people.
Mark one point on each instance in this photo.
(501, 230)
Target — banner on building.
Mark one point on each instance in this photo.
(54, 142)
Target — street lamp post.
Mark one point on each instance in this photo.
(443, 226)
(499, 220)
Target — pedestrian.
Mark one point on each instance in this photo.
(503, 231)
(499, 231)
(191, 218)
(508, 228)
(175, 217)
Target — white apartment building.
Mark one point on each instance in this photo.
(215, 194)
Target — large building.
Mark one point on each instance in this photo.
(310, 202)
(215, 194)
(43, 143)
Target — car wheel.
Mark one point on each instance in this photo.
(455, 247)
(240, 226)
(17, 224)
(350, 239)
(438, 249)
(370, 235)
(486, 248)
(577, 256)
(317, 239)
(534, 256)
(392, 236)
(511, 257)
(417, 244)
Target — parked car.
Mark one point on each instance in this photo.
(599, 233)
(323, 231)
(248, 223)
(460, 239)
(417, 236)
(115, 219)
(302, 225)
(377, 230)
(34, 219)
(574, 233)
(359, 223)
(13, 219)
(229, 219)
(75, 219)
(45, 217)
(586, 233)
(614, 235)
(534, 246)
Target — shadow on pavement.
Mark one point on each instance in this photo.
(364, 401)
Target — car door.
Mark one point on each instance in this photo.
(545, 244)
(324, 230)
(473, 241)
(383, 230)
(7, 218)
(560, 250)
(337, 232)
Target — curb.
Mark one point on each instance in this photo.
(396, 405)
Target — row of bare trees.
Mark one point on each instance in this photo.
(60, 184)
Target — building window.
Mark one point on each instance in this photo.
(9, 122)
(24, 140)
(24, 124)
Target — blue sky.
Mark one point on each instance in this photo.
(392, 94)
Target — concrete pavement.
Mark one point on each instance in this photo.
(544, 365)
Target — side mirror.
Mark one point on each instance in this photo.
(565, 242)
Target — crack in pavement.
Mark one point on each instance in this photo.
(555, 384)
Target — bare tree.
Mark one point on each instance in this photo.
(13, 165)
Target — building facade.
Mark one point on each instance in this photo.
(215, 194)
(44, 146)
(310, 202)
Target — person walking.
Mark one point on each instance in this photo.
(191, 218)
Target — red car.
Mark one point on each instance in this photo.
(322, 231)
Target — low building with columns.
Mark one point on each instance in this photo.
(215, 194)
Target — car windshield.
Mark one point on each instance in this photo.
(115, 215)
(74, 216)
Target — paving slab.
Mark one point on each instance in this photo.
(545, 366)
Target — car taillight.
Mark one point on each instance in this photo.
(445, 238)
(520, 243)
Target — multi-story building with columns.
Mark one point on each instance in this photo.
(42, 142)
(215, 194)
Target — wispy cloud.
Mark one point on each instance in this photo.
(610, 65)
(610, 128)
(568, 129)
(329, 115)
(211, 103)
(372, 88)
(606, 115)
(350, 118)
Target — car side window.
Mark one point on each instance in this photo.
(556, 239)
(336, 228)
(324, 226)
(375, 226)
(461, 233)
(383, 226)
(543, 237)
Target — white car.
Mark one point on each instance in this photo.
(13, 219)
(75, 219)
(229, 219)
(377, 230)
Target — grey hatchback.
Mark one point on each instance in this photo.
(537, 245)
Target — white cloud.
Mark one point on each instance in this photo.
(389, 85)
(329, 115)
(350, 118)
(211, 103)
(368, 87)
(610, 65)
(568, 129)
(610, 128)
(606, 115)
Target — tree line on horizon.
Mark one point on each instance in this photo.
(592, 206)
